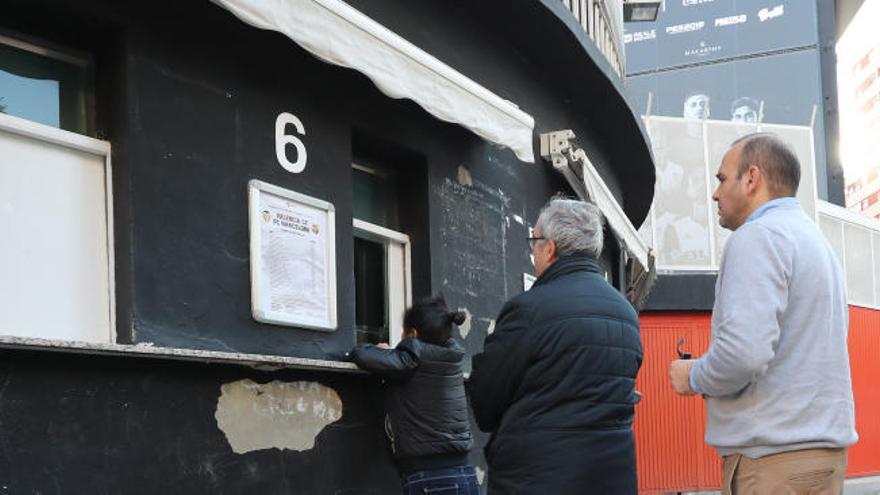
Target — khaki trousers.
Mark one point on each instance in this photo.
(813, 472)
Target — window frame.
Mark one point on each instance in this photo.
(396, 304)
(83, 60)
(69, 56)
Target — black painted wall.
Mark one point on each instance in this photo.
(827, 26)
(131, 425)
(682, 292)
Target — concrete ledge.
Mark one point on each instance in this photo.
(263, 362)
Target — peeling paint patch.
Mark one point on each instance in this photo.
(464, 176)
(481, 475)
(519, 219)
(465, 328)
(275, 415)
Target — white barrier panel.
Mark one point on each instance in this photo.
(855, 239)
(682, 227)
(681, 210)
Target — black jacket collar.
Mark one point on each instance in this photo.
(450, 351)
(568, 264)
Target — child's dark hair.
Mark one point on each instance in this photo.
(433, 319)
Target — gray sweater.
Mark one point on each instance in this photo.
(776, 376)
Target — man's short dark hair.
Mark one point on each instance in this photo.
(778, 163)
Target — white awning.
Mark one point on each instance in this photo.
(338, 34)
(626, 232)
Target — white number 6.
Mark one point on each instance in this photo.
(282, 140)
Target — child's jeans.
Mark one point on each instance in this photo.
(460, 480)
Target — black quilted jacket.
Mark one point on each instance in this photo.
(555, 386)
(425, 402)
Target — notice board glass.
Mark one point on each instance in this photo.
(293, 258)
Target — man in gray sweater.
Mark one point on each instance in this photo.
(776, 377)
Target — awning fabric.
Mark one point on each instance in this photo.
(338, 34)
(598, 192)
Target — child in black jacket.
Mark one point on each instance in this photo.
(426, 416)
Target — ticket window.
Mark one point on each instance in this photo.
(56, 257)
(381, 258)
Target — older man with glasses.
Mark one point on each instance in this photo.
(555, 381)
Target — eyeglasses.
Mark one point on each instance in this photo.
(533, 240)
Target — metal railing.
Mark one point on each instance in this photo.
(602, 21)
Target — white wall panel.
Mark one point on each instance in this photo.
(801, 141)
(875, 238)
(681, 209)
(833, 230)
(859, 266)
(54, 257)
(719, 136)
(688, 153)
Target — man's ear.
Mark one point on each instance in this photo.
(551, 249)
(755, 178)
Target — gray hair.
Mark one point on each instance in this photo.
(774, 157)
(575, 226)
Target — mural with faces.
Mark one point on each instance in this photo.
(788, 85)
(734, 90)
(696, 106)
(743, 109)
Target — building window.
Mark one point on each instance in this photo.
(46, 85)
(382, 282)
(375, 195)
(56, 258)
(381, 257)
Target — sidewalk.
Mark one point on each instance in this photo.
(868, 485)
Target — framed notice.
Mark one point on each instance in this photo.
(293, 258)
